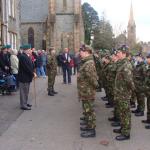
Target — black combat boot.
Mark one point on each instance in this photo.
(135, 111)
(145, 121)
(139, 114)
(122, 137)
(89, 134)
(85, 128)
(50, 93)
(147, 126)
(82, 118)
(117, 130)
(83, 122)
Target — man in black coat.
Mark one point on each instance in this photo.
(65, 61)
(25, 75)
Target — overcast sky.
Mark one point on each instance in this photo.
(117, 12)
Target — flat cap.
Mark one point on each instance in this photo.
(25, 47)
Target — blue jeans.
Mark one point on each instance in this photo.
(45, 70)
(40, 71)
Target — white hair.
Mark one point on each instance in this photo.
(14, 52)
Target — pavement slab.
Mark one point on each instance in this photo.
(54, 124)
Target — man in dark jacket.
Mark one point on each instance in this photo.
(25, 75)
(65, 61)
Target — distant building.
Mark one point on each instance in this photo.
(131, 30)
(10, 23)
(46, 23)
(146, 47)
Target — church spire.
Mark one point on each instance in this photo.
(131, 17)
(131, 29)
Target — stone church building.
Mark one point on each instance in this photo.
(46, 23)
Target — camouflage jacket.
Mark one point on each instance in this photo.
(112, 72)
(147, 80)
(138, 76)
(124, 84)
(51, 63)
(98, 65)
(104, 73)
(87, 79)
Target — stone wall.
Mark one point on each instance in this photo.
(60, 6)
(39, 29)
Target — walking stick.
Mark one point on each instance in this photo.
(34, 88)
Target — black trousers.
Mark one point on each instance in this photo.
(66, 74)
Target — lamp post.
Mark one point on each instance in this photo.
(125, 33)
(92, 38)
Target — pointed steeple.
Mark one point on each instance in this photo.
(131, 29)
(131, 17)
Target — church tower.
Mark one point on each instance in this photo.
(131, 29)
(65, 25)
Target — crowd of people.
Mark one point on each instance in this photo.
(124, 77)
(126, 81)
(21, 66)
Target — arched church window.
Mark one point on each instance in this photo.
(31, 36)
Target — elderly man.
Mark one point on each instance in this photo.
(25, 75)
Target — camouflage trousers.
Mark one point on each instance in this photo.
(105, 86)
(89, 113)
(116, 110)
(140, 101)
(148, 106)
(51, 79)
(110, 93)
(133, 98)
(125, 116)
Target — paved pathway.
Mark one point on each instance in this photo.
(54, 125)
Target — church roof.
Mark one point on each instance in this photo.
(34, 10)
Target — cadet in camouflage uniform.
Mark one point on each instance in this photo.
(86, 84)
(106, 61)
(98, 65)
(124, 86)
(147, 91)
(51, 71)
(106, 83)
(114, 67)
(138, 76)
(133, 97)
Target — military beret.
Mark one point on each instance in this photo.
(8, 46)
(86, 48)
(123, 48)
(26, 47)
